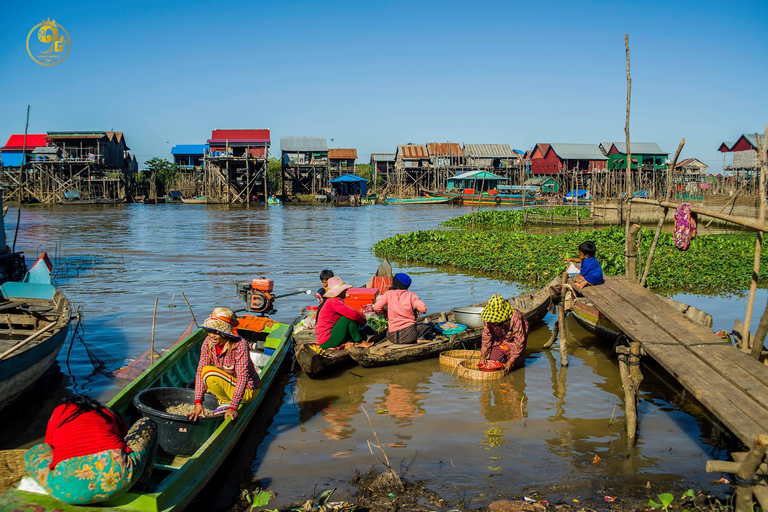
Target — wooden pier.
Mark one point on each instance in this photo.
(732, 385)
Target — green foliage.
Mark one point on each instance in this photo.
(666, 500)
(164, 172)
(713, 262)
(511, 218)
(275, 175)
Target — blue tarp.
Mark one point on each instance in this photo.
(11, 158)
(189, 149)
(577, 193)
(642, 194)
(349, 184)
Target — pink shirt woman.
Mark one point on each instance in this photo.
(402, 308)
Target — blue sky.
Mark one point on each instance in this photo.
(372, 75)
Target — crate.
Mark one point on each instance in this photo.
(358, 297)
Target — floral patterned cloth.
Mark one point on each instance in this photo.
(505, 341)
(100, 476)
(685, 227)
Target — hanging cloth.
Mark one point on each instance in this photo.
(685, 227)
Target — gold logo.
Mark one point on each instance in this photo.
(51, 45)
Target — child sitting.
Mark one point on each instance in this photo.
(591, 272)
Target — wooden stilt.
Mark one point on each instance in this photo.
(631, 376)
(631, 245)
(744, 468)
(561, 327)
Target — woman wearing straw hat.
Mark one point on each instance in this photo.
(505, 334)
(225, 367)
(337, 324)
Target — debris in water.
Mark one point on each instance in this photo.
(724, 481)
(610, 499)
(529, 500)
(596, 459)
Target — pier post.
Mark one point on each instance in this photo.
(631, 245)
(561, 327)
(631, 376)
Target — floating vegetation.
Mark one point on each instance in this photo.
(513, 218)
(714, 263)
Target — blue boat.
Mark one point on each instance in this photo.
(36, 321)
(578, 197)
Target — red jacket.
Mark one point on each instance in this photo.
(333, 309)
(87, 434)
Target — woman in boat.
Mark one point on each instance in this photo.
(402, 307)
(338, 325)
(225, 368)
(505, 334)
(89, 455)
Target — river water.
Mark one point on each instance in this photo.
(558, 431)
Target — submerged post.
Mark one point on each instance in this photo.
(561, 326)
(631, 376)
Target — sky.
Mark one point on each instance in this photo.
(374, 74)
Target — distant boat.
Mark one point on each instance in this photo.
(73, 197)
(422, 200)
(195, 200)
(174, 196)
(578, 197)
(489, 199)
(274, 200)
(154, 200)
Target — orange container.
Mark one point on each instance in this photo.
(262, 285)
(358, 297)
(469, 191)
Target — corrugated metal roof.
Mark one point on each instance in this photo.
(489, 150)
(249, 135)
(537, 181)
(46, 150)
(342, 154)
(303, 144)
(690, 162)
(751, 138)
(639, 148)
(477, 175)
(727, 145)
(578, 151)
(76, 135)
(606, 147)
(348, 178)
(412, 152)
(34, 140)
(444, 149)
(383, 157)
(189, 149)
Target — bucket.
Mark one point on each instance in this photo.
(177, 435)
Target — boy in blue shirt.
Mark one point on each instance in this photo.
(591, 271)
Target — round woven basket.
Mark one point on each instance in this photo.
(468, 370)
(452, 358)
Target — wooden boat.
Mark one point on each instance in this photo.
(595, 322)
(423, 200)
(35, 323)
(175, 480)
(317, 365)
(94, 201)
(489, 199)
(154, 200)
(533, 307)
(195, 200)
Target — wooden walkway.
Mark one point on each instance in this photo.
(730, 383)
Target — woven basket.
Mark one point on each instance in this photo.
(468, 370)
(452, 358)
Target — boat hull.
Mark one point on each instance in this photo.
(422, 200)
(534, 308)
(501, 199)
(314, 364)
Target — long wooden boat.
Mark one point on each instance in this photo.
(175, 480)
(422, 200)
(35, 323)
(317, 365)
(533, 307)
(195, 200)
(94, 201)
(595, 322)
(154, 200)
(488, 199)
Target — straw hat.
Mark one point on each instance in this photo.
(497, 310)
(335, 287)
(222, 321)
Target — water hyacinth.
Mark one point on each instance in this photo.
(714, 263)
(513, 218)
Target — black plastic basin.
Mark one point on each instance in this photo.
(176, 434)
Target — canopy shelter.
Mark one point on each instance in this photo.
(480, 181)
(349, 185)
(578, 194)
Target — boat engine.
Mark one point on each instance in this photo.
(258, 296)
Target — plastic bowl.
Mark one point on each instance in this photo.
(177, 435)
(490, 366)
(450, 332)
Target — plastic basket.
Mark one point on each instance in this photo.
(451, 332)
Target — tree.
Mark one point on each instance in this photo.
(275, 174)
(163, 172)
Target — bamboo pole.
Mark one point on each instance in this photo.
(26, 340)
(190, 309)
(656, 235)
(762, 328)
(629, 164)
(152, 341)
(631, 254)
(758, 247)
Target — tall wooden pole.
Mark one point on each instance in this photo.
(758, 247)
(629, 165)
(21, 179)
(762, 151)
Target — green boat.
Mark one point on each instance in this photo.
(176, 480)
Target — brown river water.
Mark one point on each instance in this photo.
(540, 428)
